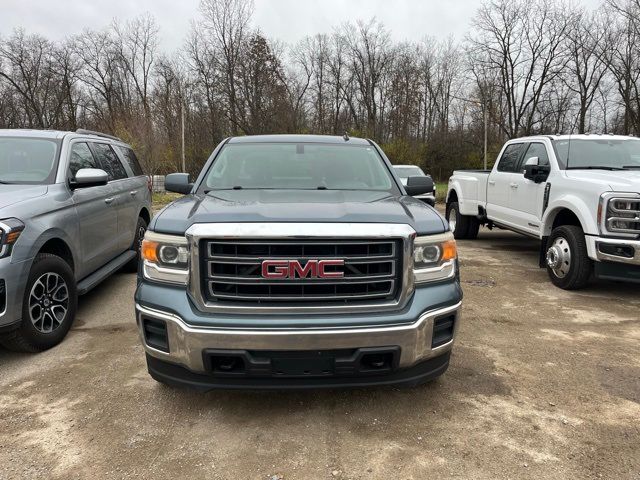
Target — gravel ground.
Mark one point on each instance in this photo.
(543, 384)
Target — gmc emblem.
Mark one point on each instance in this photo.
(294, 269)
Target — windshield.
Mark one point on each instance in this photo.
(306, 166)
(405, 172)
(603, 153)
(27, 160)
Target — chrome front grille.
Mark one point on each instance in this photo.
(232, 270)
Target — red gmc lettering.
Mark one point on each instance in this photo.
(280, 270)
(323, 274)
(294, 269)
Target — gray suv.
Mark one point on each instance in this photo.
(74, 207)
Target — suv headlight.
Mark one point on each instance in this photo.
(165, 258)
(619, 214)
(10, 231)
(434, 258)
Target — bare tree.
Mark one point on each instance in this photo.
(226, 23)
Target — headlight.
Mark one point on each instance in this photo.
(434, 257)
(10, 231)
(165, 258)
(619, 214)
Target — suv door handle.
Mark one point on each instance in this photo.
(108, 200)
(514, 185)
(133, 193)
(492, 182)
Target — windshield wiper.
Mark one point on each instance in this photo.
(6, 183)
(631, 167)
(595, 167)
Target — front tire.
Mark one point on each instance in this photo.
(568, 264)
(48, 306)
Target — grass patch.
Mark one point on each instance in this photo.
(162, 199)
(441, 192)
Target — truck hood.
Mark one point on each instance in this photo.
(320, 206)
(12, 194)
(617, 181)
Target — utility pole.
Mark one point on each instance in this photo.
(484, 114)
(184, 168)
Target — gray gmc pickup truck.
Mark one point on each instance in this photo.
(297, 261)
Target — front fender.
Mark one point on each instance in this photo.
(585, 212)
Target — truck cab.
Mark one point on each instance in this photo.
(578, 194)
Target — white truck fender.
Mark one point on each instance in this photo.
(585, 213)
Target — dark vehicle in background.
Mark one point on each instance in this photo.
(74, 207)
(297, 261)
(406, 171)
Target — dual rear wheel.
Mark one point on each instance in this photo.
(462, 226)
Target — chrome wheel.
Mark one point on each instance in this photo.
(559, 257)
(453, 215)
(48, 302)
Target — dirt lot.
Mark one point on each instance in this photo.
(543, 384)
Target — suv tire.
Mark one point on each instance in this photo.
(141, 228)
(568, 264)
(48, 306)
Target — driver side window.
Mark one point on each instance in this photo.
(81, 157)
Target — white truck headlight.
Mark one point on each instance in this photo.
(165, 258)
(434, 257)
(619, 214)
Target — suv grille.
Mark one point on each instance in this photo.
(232, 270)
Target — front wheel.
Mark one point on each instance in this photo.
(568, 264)
(48, 306)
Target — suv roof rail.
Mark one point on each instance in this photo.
(99, 134)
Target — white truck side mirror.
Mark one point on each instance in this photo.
(532, 161)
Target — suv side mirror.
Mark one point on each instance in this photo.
(419, 185)
(178, 183)
(535, 172)
(89, 177)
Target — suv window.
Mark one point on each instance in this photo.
(132, 160)
(81, 157)
(509, 159)
(109, 160)
(536, 150)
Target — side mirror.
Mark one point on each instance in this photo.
(535, 172)
(178, 183)
(89, 177)
(419, 185)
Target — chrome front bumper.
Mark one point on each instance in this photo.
(186, 343)
(595, 249)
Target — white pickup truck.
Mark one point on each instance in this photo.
(579, 194)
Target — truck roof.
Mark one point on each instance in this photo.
(299, 139)
(579, 136)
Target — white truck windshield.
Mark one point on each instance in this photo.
(601, 153)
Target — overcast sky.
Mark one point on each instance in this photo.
(287, 20)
